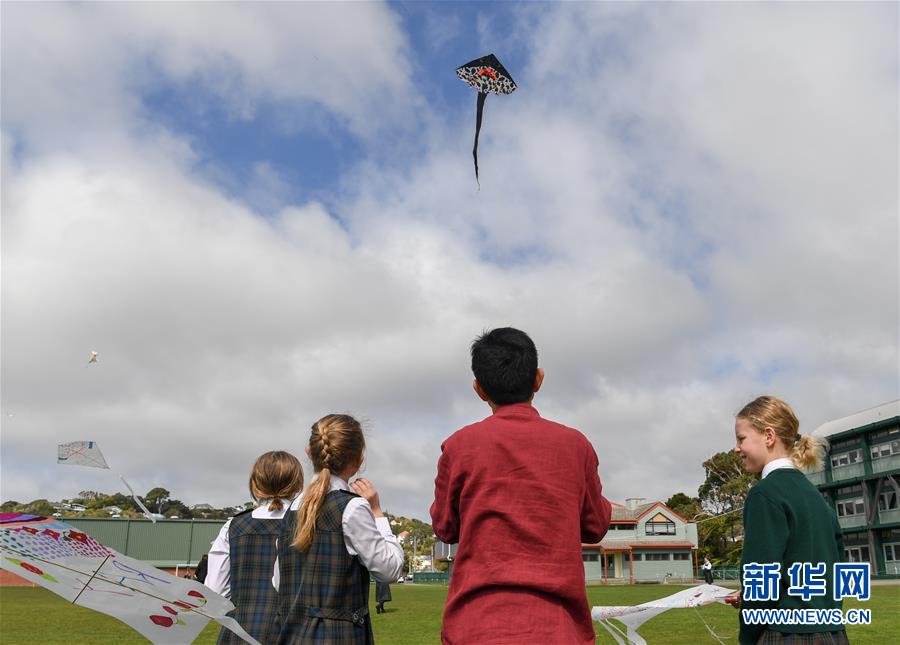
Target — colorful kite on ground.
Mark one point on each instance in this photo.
(634, 616)
(485, 74)
(72, 564)
(87, 453)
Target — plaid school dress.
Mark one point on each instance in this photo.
(251, 557)
(771, 637)
(324, 591)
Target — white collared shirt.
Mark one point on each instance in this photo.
(366, 536)
(775, 464)
(218, 576)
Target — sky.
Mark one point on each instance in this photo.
(261, 213)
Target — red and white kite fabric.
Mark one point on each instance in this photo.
(72, 564)
(633, 616)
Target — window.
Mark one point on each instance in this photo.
(659, 524)
(681, 556)
(848, 490)
(849, 507)
(637, 557)
(884, 433)
(886, 449)
(842, 445)
(658, 556)
(621, 527)
(892, 552)
(589, 557)
(887, 501)
(846, 458)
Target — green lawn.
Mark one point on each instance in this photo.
(34, 615)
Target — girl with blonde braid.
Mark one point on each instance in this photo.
(334, 541)
(786, 520)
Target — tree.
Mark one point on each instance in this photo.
(176, 507)
(9, 507)
(39, 507)
(155, 498)
(721, 496)
(687, 507)
(89, 495)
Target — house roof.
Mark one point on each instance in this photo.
(622, 514)
(879, 413)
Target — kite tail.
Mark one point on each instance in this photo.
(481, 97)
(147, 512)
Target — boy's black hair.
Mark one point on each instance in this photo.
(505, 362)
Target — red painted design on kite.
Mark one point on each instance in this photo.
(163, 621)
(81, 537)
(170, 610)
(487, 71)
(31, 567)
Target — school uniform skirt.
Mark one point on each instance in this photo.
(771, 637)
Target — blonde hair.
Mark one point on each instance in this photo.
(276, 474)
(336, 442)
(806, 452)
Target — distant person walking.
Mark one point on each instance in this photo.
(382, 595)
(707, 571)
(243, 554)
(202, 566)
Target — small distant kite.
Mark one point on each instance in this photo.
(87, 453)
(93, 358)
(485, 74)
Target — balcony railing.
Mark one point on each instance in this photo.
(883, 464)
(889, 517)
(850, 521)
(817, 477)
(846, 472)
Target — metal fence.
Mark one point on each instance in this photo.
(166, 543)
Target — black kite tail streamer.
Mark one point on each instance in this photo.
(480, 109)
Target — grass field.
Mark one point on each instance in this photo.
(34, 615)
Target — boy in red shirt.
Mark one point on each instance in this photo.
(520, 494)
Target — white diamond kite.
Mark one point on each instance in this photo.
(81, 453)
(87, 453)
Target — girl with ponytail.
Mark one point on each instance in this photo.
(786, 520)
(332, 543)
(242, 556)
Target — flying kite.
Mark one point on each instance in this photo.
(634, 616)
(87, 453)
(74, 565)
(93, 358)
(485, 74)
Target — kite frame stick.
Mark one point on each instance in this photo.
(88, 583)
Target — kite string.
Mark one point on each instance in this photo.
(720, 515)
(708, 628)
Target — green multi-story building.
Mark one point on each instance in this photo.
(861, 479)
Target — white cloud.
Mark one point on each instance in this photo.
(694, 206)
